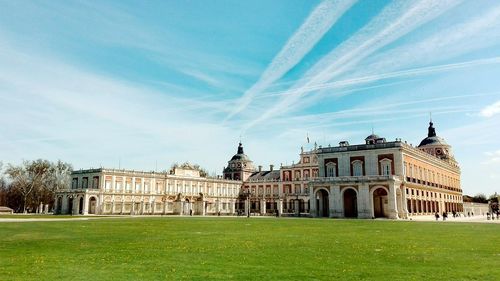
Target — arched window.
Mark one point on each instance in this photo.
(331, 170)
(357, 168)
(385, 167)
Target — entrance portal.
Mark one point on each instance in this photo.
(322, 206)
(350, 203)
(70, 206)
(92, 205)
(380, 203)
(80, 206)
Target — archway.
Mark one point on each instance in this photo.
(350, 203)
(322, 206)
(70, 206)
(92, 205)
(380, 203)
(59, 205)
(80, 206)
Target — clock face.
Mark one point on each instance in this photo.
(239, 165)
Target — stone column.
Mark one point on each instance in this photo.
(280, 206)
(336, 199)
(364, 203)
(262, 207)
(232, 206)
(403, 213)
(85, 210)
(165, 207)
(247, 206)
(312, 202)
(132, 208)
(296, 206)
(393, 211)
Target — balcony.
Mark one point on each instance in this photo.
(354, 179)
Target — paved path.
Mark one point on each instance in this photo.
(481, 219)
(475, 219)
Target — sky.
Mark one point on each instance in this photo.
(144, 84)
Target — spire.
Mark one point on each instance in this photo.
(240, 149)
(432, 130)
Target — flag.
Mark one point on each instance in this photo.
(307, 138)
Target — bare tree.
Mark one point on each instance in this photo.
(28, 177)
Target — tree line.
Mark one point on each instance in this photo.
(25, 186)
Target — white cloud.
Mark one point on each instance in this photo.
(491, 110)
(321, 19)
(396, 20)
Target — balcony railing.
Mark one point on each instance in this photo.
(355, 178)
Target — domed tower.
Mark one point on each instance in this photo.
(436, 145)
(240, 167)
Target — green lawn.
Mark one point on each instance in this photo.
(248, 249)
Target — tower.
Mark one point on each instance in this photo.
(240, 167)
(437, 146)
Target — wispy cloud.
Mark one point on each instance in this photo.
(395, 21)
(478, 32)
(491, 110)
(321, 19)
(395, 74)
(493, 157)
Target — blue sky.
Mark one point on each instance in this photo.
(146, 84)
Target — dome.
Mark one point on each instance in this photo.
(372, 137)
(432, 138)
(240, 155)
(435, 140)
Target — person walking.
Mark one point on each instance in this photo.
(437, 216)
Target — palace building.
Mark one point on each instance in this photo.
(386, 179)
(181, 191)
(378, 178)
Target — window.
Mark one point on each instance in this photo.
(95, 182)
(119, 186)
(357, 167)
(85, 183)
(128, 186)
(385, 167)
(74, 183)
(331, 170)
(108, 185)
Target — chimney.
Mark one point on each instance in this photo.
(260, 168)
(271, 167)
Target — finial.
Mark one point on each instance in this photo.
(373, 132)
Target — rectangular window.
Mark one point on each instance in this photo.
(74, 183)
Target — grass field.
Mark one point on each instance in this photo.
(248, 249)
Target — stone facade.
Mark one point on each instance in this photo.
(370, 180)
(384, 179)
(181, 192)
